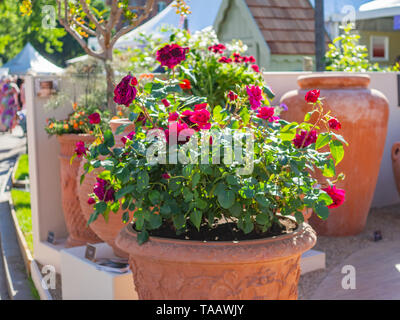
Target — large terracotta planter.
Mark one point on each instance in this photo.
(168, 269)
(79, 233)
(396, 164)
(105, 230)
(363, 113)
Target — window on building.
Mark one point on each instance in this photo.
(379, 48)
(161, 6)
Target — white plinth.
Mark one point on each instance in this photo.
(82, 281)
(312, 260)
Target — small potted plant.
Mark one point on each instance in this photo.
(73, 133)
(217, 192)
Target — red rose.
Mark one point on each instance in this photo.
(125, 92)
(200, 106)
(171, 55)
(80, 148)
(334, 124)
(305, 138)
(165, 176)
(265, 113)
(225, 60)
(201, 118)
(255, 96)
(94, 118)
(185, 84)
(91, 201)
(232, 96)
(337, 195)
(312, 96)
(173, 116)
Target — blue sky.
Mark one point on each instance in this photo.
(335, 6)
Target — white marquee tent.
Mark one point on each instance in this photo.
(378, 9)
(29, 61)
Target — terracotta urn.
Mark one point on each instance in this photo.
(363, 113)
(105, 230)
(396, 164)
(169, 269)
(79, 233)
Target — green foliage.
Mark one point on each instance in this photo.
(346, 54)
(17, 29)
(22, 204)
(22, 171)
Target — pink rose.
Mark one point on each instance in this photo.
(337, 195)
(201, 118)
(165, 102)
(255, 96)
(265, 113)
(232, 96)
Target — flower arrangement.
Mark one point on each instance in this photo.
(191, 167)
(81, 120)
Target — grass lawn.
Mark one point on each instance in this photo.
(22, 204)
(23, 168)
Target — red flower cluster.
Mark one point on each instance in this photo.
(225, 60)
(305, 138)
(125, 92)
(255, 96)
(196, 120)
(171, 55)
(218, 48)
(255, 68)
(337, 195)
(103, 190)
(80, 149)
(312, 96)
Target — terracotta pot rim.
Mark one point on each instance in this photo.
(74, 136)
(121, 121)
(247, 251)
(327, 81)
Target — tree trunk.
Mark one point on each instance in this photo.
(110, 86)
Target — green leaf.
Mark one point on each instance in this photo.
(109, 139)
(195, 218)
(165, 209)
(133, 116)
(322, 211)
(337, 150)
(262, 218)
(143, 237)
(100, 207)
(155, 221)
(263, 201)
(217, 114)
(226, 199)
(93, 217)
(142, 180)
(288, 132)
(195, 179)
(329, 169)
(201, 204)
(236, 210)
(125, 217)
(322, 140)
(103, 150)
(120, 193)
(154, 197)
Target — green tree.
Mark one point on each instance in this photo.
(17, 29)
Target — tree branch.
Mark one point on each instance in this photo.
(92, 18)
(146, 12)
